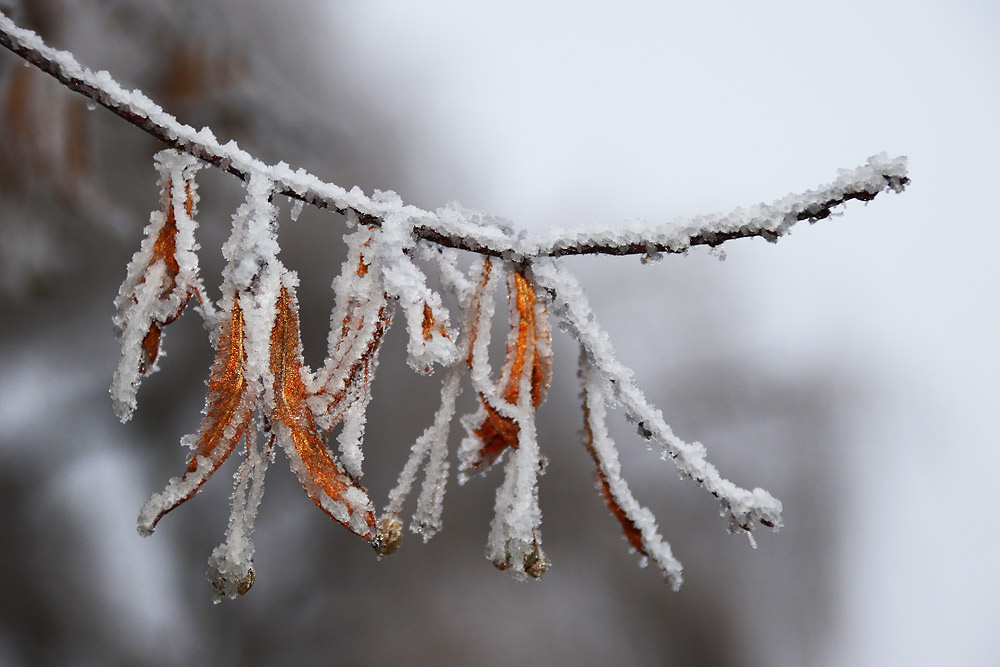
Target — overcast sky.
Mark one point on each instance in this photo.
(554, 113)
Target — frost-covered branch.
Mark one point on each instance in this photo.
(452, 226)
(769, 221)
(446, 227)
(262, 393)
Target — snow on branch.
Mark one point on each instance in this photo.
(452, 226)
(260, 389)
(769, 221)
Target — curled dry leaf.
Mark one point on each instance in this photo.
(231, 402)
(629, 528)
(239, 381)
(160, 281)
(165, 250)
(528, 352)
(637, 522)
(230, 567)
(357, 325)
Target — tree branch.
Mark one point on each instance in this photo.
(451, 226)
(769, 221)
(377, 273)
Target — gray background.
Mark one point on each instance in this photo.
(850, 369)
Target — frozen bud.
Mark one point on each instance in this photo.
(228, 585)
(536, 563)
(390, 534)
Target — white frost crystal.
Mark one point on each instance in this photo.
(382, 274)
(433, 443)
(161, 277)
(231, 565)
(431, 341)
(259, 381)
(605, 454)
(263, 383)
(744, 508)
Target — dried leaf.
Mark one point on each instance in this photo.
(78, 158)
(160, 281)
(358, 323)
(322, 477)
(228, 408)
(528, 350)
(428, 324)
(475, 308)
(196, 70)
(19, 129)
(165, 250)
(186, 75)
(230, 567)
(631, 531)
(431, 326)
(637, 522)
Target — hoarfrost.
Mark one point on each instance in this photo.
(515, 537)
(479, 334)
(430, 502)
(244, 346)
(433, 443)
(160, 279)
(452, 278)
(638, 522)
(743, 507)
(259, 368)
(351, 435)
(296, 210)
(431, 341)
(230, 568)
(359, 318)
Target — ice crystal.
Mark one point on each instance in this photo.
(260, 386)
(261, 392)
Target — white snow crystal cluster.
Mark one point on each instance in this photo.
(261, 392)
(260, 383)
(160, 280)
(431, 341)
(770, 221)
(360, 316)
(640, 523)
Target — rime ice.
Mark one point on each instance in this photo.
(260, 387)
(160, 280)
(260, 381)
(745, 509)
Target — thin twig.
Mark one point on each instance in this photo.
(449, 227)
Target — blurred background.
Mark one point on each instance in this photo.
(850, 369)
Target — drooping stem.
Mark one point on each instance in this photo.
(744, 507)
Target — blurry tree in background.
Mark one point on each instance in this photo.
(77, 586)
